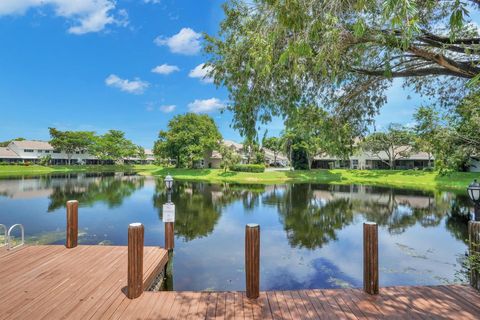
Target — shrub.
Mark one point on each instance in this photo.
(248, 168)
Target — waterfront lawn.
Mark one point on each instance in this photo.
(21, 170)
(394, 178)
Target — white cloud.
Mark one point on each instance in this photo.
(185, 42)
(201, 72)
(165, 69)
(85, 15)
(135, 86)
(152, 1)
(207, 105)
(167, 108)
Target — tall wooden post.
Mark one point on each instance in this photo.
(135, 260)
(72, 224)
(370, 258)
(474, 249)
(169, 235)
(252, 260)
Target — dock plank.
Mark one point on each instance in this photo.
(88, 282)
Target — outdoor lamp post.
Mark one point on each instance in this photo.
(169, 215)
(169, 184)
(474, 194)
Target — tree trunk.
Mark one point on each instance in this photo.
(309, 161)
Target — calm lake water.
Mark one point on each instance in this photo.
(311, 234)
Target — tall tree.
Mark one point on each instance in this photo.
(458, 141)
(274, 55)
(427, 130)
(396, 143)
(275, 145)
(114, 146)
(71, 142)
(229, 157)
(315, 132)
(188, 137)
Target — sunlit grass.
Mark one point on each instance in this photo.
(396, 178)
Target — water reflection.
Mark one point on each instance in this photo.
(200, 205)
(311, 233)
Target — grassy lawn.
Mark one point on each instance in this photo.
(395, 178)
(36, 169)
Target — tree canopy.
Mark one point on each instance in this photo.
(188, 137)
(274, 56)
(314, 132)
(114, 146)
(396, 143)
(275, 145)
(71, 142)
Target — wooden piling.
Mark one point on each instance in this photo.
(252, 260)
(169, 235)
(370, 258)
(135, 260)
(474, 250)
(72, 224)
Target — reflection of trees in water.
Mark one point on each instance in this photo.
(458, 217)
(310, 222)
(312, 214)
(198, 206)
(109, 189)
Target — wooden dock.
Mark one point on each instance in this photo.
(88, 282)
(52, 282)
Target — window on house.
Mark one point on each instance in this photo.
(56, 151)
(39, 151)
(27, 150)
(47, 151)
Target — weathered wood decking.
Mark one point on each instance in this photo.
(51, 282)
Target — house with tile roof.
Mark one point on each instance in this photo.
(32, 151)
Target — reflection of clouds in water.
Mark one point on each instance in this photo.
(325, 275)
(431, 260)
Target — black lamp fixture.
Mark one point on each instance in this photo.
(474, 194)
(168, 182)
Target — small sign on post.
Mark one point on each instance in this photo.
(168, 212)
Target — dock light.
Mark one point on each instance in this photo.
(168, 182)
(474, 194)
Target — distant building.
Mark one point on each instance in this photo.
(33, 151)
(474, 164)
(213, 159)
(366, 160)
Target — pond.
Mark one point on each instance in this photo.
(311, 234)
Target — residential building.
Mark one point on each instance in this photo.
(474, 164)
(33, 151)
(213, 159)
(366, 160)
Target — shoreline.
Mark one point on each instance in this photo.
(411, 179)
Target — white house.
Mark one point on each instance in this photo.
(33, 151)
(213, 159)
(366, 160)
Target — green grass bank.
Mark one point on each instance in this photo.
(32, 170)
(394, 178)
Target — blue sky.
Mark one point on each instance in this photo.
(129, 65)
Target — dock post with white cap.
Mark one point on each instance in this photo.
(135, 260)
